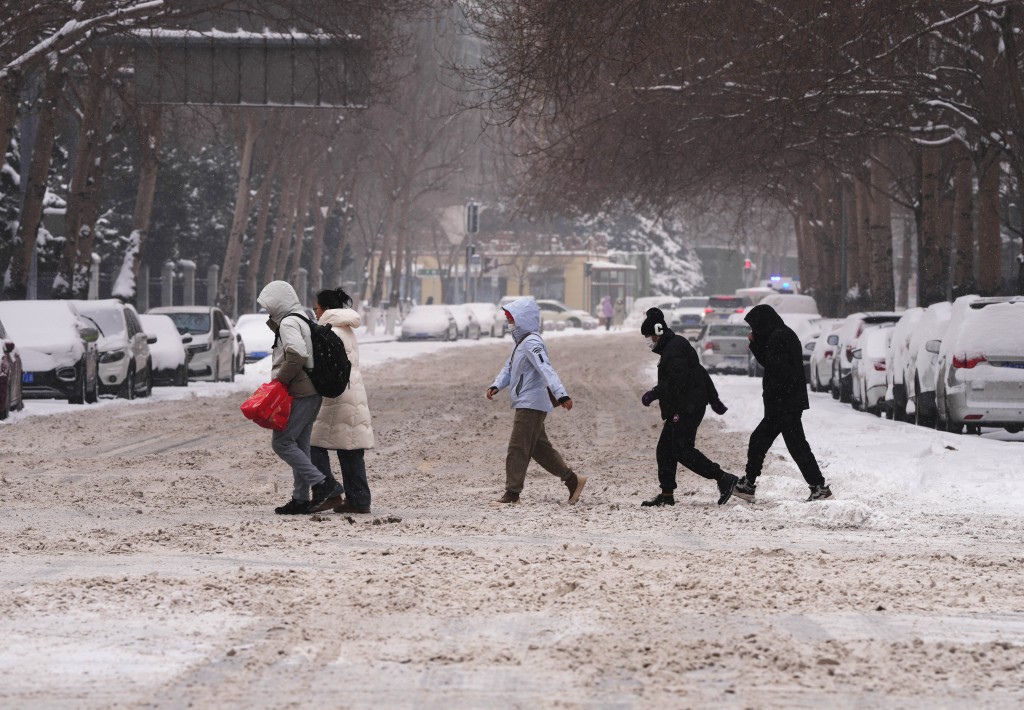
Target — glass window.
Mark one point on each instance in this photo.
(192, 323)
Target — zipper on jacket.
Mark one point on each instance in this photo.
(519, 386)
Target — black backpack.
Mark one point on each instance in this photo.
(331, 366)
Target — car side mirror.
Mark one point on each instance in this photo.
(186, 339)
(151, 339)
(809, 346)
(833, 340)
(932, 346)
(223, 333)
(89, 335)
(857, 354)
(8, 346)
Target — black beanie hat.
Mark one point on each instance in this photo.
(654, 323)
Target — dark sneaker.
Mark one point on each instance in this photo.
(508, 499)
(820, 493)
(293, 507)
(726, 487)
(658, 501)
(346, 507)
(575, 485)
(327, 488)
(329, 504)
(745, 489)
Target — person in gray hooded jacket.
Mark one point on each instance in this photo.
(534, 391)
(292, 356)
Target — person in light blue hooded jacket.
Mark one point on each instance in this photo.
(534, 390)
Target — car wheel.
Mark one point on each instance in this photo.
(574, 323)
(833, 389)
(79, 396)
(128, 386)
(148, 389)
(231, 374)
(181, 376)
(919, 420)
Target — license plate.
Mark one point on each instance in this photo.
(27, 378)
(1014, 365)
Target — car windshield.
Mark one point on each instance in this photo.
(725, 302)
(107, 320)
(193, 323)
(729, 331)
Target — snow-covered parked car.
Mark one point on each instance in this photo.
(721, 308)
(125, 367)
(980, 368)
(557, 312)
(10, 375)
(429, 322)
(867, 374)
(492, 319)
(212, 350)
(58, 349)
(791, 303)
(849, 331)
(896, 361)
(238, 346)
(638, 311)
(466, 321)
(921, 364)
(724, 347)
(257, 337)
(819, 364)
(170, 359)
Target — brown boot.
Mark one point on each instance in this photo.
(575, 485)
(508, 499)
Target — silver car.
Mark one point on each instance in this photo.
(981, 369)
(724, 347)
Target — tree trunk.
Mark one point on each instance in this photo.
(84, 186)
(280, 224)
(880, 240)
(289, 261)
(263, 197)
(322, 209)
(990, 243)
(858, 252)
(903, 299)
(227, 290)
(35, 190)
(963, 223)
(931, 273)
(151, 135)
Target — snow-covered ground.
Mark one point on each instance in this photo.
(141, 562)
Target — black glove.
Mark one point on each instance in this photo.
(646, 398)
(718, 408)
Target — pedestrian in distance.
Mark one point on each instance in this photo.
(343, 424)
(534, 390)
(683, 392)
(292, 355)
(784, 392)
(607, 311)
(620, 312)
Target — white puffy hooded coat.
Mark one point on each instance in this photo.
(344, 422)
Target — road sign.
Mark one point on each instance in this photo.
(427, 272)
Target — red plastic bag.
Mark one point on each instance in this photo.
(269, 406)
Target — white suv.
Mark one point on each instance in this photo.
(212, 350)
(126, 366)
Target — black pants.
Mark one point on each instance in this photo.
(792, 430)
(676, 446)
(353, 473)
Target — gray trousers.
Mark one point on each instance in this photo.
(292, 445)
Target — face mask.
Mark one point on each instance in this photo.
(516, 331)
(651, 343)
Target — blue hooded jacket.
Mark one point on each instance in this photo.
(534, 383)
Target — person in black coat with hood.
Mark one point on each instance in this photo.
(684, 391)
(779, 352)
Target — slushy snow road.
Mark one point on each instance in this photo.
(141, 563)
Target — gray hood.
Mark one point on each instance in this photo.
(280, 299)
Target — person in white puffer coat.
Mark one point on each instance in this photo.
(343, 424)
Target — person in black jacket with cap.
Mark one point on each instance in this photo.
(684, 391)
(784, 385)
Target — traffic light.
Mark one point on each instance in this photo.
(747, 264)
(472, 218)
